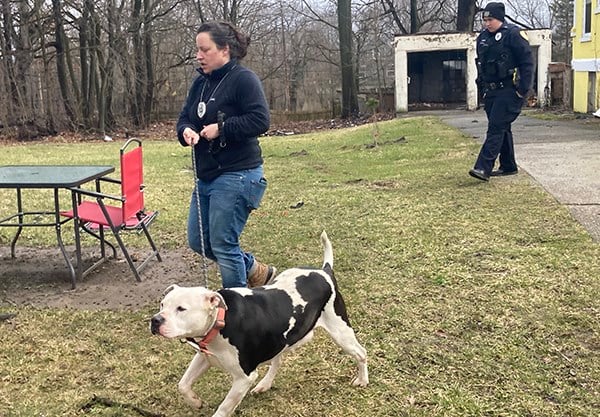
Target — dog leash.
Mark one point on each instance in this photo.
(222, 144)
(200, 228)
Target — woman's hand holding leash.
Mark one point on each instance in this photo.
(190, 136)
(208, 132)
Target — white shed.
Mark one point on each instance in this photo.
(440, 68)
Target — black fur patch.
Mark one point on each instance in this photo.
(256, 324)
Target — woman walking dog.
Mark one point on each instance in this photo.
(223, 115)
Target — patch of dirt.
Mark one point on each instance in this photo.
(40, 277)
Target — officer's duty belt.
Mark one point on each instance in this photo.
(499, 85)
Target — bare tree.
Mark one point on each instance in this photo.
(530, 13)
(465, 15)
(562, 21)
(373, 35)
(101, 65)
(228, 10)
(8, 54)
(349, 87)
(297, 56)
(418, 16)
(63, 72)
(86, 30)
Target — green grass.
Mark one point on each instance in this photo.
(472, 299)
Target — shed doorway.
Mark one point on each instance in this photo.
(437, 79)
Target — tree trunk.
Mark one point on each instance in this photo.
(84, 63)
(349, 90)
(138, 68)
(414, 17)
(112, 14)
(61, 64)
(149, 64)
(389, 7)
(466, 15)
(8, 64)
(231, 11)
(46, 93)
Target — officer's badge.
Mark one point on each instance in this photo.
(524, 35)
(498, 36)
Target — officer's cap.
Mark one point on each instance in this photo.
(495, 10)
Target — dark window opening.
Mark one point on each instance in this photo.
(587, 17)
(437, 79)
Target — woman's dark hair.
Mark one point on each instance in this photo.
(225, 34)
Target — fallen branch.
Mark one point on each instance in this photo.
(107, 402)
(7, 316)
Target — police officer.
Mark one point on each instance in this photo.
(505, 75)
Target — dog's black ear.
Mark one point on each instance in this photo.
(216, 300)
(169, 289)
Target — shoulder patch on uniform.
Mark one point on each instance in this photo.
(524, 35)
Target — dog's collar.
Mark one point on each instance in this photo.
(202, 344)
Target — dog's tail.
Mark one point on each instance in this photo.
(327, 251)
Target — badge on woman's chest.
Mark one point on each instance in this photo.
(201, 111)
(498, 36)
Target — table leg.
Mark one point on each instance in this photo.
(13, 243)
(61, 245)
(79, 271)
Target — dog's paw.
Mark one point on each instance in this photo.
(260, 388)
(360, 382)
(194, 402)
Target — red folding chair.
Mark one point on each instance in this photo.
(129, 214)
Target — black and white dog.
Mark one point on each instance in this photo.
(238, 329)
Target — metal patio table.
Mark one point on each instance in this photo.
(54, 177)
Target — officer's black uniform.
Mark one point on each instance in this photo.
(505, 75)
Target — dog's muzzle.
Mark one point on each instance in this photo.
(155, 323)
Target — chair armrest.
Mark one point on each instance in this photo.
(96, 194)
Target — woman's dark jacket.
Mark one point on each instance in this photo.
(241, 101)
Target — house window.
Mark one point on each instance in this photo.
(587, 18)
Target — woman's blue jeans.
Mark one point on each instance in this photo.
(225, 205)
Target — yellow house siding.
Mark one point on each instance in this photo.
(586, 58)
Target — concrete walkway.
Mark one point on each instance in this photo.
(561, 155)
